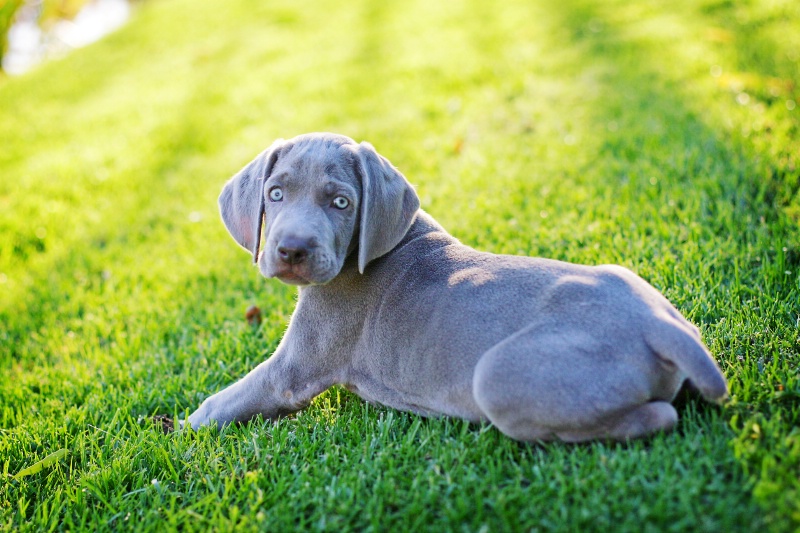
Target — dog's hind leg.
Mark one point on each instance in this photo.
(640, 421)
(547, 383)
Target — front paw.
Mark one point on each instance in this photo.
(203, 416)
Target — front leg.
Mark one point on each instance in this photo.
(276, 387)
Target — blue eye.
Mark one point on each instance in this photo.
(275, 194)
(340, 202)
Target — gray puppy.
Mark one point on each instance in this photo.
(398, 311)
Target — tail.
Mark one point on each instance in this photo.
(680, 344)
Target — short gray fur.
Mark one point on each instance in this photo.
(398, 311)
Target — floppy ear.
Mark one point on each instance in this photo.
(241, 202)
(388, 205)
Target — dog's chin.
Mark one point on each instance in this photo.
(292, 278)
(300, 276)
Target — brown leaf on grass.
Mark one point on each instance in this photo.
(253, 315)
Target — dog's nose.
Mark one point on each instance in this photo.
(293, 251)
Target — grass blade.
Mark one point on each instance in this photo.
(38, 467)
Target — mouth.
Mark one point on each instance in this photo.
(289, 274)
(309, 272)
(290, 277)
(299, 276)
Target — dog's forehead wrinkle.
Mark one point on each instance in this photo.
(311, 165)
(332, 168)
(319, 149)
(329, 188)
(278, 176)
(329, 171)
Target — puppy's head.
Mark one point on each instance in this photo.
(319, 198)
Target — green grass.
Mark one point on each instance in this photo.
(661, 136)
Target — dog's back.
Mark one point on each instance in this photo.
(437, 307)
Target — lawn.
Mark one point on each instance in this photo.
(661, 136)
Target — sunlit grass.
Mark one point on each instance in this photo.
(661, 137)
